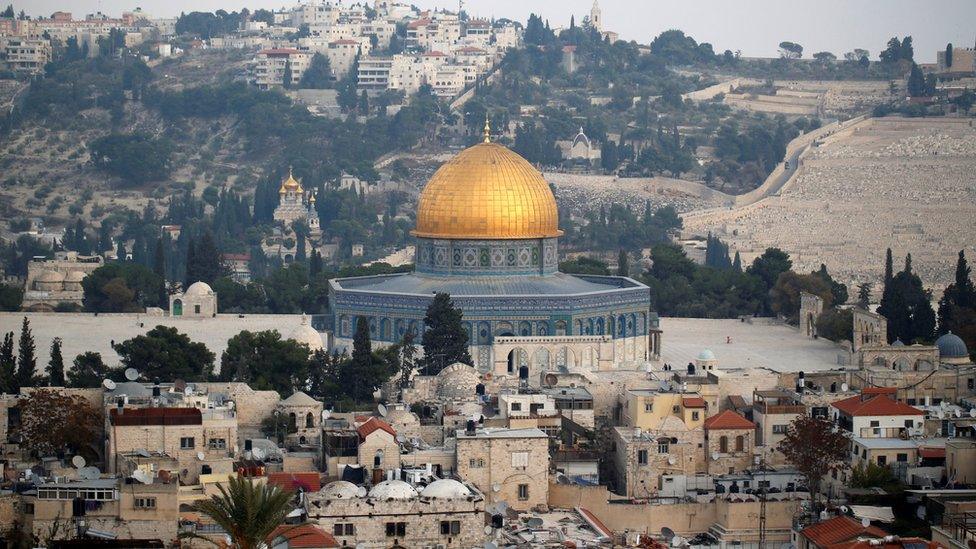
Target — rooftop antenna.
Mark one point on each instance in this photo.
(487, 128)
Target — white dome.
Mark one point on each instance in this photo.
(392, 489)
(198, 288)
(706, 354)
(340, 489)
(446, 488)
(307, 335)
(457, 382)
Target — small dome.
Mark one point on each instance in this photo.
(308, 335)
(50, 276)
(951, 346)
(898, 343)
(75, 276)
(457, 381)
(198, 288)
(706, 354)
(340, 489)
(392, 489)
(446, 488)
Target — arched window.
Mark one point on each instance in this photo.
(723, 444)
(292, 422)
(309, 421)
(740, 443)
(378, 459)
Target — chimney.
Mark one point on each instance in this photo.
(469, 430)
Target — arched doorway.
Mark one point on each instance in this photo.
(177, 307)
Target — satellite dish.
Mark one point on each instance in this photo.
(535, 522)
(188, 391)
(78, 462)
(382, 410)
(131, 374)
(676, 541)
(865, 522)
(944, 405)
(551, 380)
(488, 530)
(108, 384)
(972, 412)
(940, 413)
(201, 456)
(667, 533)
(843, 509)
(362, 491)
(496, 487)
(89, 473)
(400, 438)
(258, 453)
(715, 456)
(672, 460)
(958, 412)
(377, 394)
(142, 476)
(326, 414)
(230, 404)
(844, 387)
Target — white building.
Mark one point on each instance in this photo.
(270, 66)
(25, 54)
(876, 414)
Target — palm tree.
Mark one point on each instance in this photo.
(248, 512)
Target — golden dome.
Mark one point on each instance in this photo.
(487, 192)
(290, 184)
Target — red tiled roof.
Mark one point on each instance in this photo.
(305, 536)
(435, 54)
(932, 453)
(471, 49)
(418, 23)
(372, 426)
(693, 402)
(897, 543)
(839, 529)
(594, 522)
(310, 482)
(344, 41)
(877, 405)
(728, 420)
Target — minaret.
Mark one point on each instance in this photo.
(596, 16)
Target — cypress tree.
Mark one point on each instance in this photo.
(8, 365)
(889, 272)
(55, 367)
(159, 267)
(26, 359)
(737, 263)
(445, 340)
(623, 269)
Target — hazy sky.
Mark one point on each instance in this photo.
(753, 26)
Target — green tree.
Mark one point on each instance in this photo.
(864, 295)
(836, 325)
(585, 265)
(248, 511)
(8, 365)
(445, 341)
(203, 261)
(88, 370)
(815, 449)
(916, 83)
(790, 50)
(26, 359)
(159, 269)
(837, 289)
(55, 367)
(164, 353)
(53, 422)
(136, 158)
(957, 307)
(767, 267)
(318, 75)
(908, 307)
(10, 297)
(265, 361)
(9, 12)
(622, 268)
(120, 287)
(363, 372)
(876, 476)
(948, 55)
(287, 77)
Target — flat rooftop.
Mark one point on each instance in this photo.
(759, 345)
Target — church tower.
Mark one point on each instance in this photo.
(596, 16)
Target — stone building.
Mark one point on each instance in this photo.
(295, 204)
(378, 447)
(395, 513)
(304, 420)
(729, 443)
(811, 307)
(642, 456)
(510, 465)
(271, 65)
(306, 334)
(773, 410)
(54, 281)
(198, 301)
(201, 441)
(127, 510)
(876, 414)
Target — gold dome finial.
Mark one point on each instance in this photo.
(487, 129)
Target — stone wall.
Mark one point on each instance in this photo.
(487, 463)
(731, 460)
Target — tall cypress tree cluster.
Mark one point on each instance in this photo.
(957, 308)
(906, 304)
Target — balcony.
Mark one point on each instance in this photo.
(883, 432)
(773, 409)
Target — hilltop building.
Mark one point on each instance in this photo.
(295, 204)
(57, 281)
(487, 234)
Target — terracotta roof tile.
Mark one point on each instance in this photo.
(304, 536)
(728, 420)
(372, 425)
(839, 529)
(900, 543)
(310, 482)
(877, 405)
(693, 402)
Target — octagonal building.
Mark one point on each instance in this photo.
(487, 234)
